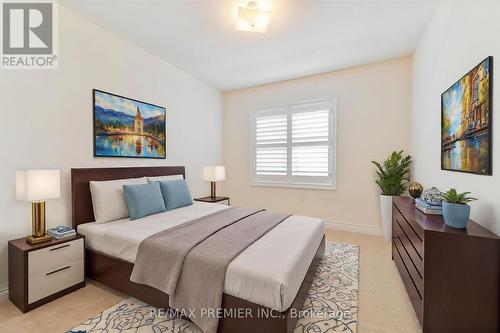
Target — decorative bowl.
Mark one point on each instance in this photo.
(433, 196)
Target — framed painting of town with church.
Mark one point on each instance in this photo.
(466, 122)
(125, 127)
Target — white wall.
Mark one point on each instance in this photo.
(460, 35)
(373, 120)
(46, 118)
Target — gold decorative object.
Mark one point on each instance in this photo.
(415, 190)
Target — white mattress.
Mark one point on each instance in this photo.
(269, 272)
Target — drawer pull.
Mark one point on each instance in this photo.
(58, 270)
(60, 247)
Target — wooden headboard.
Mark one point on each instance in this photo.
(80, 190)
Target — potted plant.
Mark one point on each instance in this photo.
(393, 176)
(456, 211)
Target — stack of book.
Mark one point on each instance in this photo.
(429, 207)
(61, 231)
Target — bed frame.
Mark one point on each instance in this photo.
(115, 273)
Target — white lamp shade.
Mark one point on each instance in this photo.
(37, 185)
(214, 173)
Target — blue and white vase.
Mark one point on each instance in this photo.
(455, 215)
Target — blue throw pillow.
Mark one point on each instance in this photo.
(176, 194)
(143, 200)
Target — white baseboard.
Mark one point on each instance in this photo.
(4, 295)
(351, 227)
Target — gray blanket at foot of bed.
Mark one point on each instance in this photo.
(189, 262)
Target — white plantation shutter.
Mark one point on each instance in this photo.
(271, 135)
(293, 145)
(271, 129)
(310, 126)
(311, 129)
(271, 161)
(310, 161)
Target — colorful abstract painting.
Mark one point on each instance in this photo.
(466, 122)
(125, 127)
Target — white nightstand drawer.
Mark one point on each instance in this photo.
(55, 256)
(51, 281)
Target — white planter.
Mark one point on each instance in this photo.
(386, 215)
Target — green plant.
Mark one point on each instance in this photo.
(393, 173)
(452, 196)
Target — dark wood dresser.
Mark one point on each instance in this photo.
(451, 275)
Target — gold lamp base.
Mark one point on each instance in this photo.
(38, 230)
(35, 240)
(213, 193)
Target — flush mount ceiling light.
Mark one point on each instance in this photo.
(252, 19)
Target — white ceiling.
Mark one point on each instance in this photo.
(304, 37)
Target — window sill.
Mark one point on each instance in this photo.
(295, 185)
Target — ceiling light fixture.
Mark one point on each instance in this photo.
(252, 19)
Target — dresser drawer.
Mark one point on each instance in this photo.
(412, 291)
(55, 256)
(410, 249)
(413, 235)
(410, 267)
(50, 281)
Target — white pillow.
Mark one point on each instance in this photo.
(164, 178)
(108, 199)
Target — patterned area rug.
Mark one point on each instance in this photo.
(331, 305)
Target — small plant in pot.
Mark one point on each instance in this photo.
(456, 211)
(393, 176)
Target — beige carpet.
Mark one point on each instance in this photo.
(383, 305)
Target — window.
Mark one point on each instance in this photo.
(294, 145)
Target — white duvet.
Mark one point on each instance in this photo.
(269, 272)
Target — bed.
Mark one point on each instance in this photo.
(270, 277)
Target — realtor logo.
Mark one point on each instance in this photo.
(28, 35)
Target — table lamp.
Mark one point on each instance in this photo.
(36, 186)
(213, 174)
